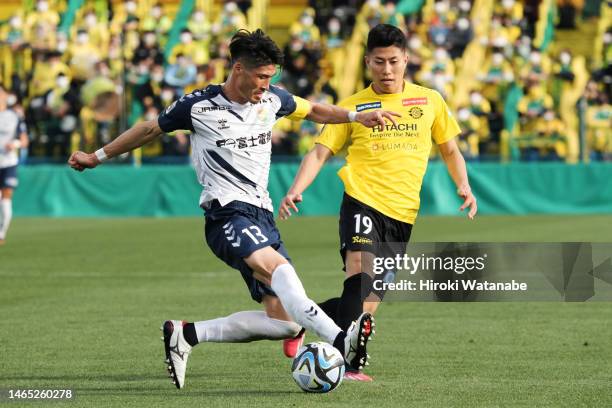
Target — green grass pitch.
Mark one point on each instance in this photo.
(82, 301)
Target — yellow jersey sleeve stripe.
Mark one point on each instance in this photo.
(302, 108)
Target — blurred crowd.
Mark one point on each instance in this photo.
(81, 78)
(79, 84)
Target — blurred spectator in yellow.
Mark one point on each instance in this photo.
(393, 17)
(99, 34)
(189, 47)
(496, 78)
(562, 69)
(480, 107)
(82, 57)
(373, 12)
(12, 44)
(181, 74)
(156, 81)
(115, 56)
(533, 105)
(148, 49)
(439, 72)
(418, 53)
(607, 47)
(440, 24)
(157, 21)
(563, 76)
(131, 37)
(48, 67)
(200, 28)
(333, 38)
(464, 7)
(13, 32)
(121, 14)
(305, 29)
(469, 137)
(500, 37)
(537, 69)
(62, 105)
(598, 122)
(511, 10)
(550, 141)
(510, 14)
(300, 68)
(230, 20)
(41, 27)
(101, 107)
(521, 52)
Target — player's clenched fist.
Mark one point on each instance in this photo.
(81, 161)
(287, 204)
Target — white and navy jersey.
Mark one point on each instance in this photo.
(10, 129)
(231, 142)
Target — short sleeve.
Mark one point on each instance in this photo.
(334, 137)
(444, 127)
(176, 116)
(293, 107)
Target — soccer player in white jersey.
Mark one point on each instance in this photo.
(12, 136)
(231, 128)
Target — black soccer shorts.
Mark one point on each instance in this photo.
(235, 231)
(364, 229)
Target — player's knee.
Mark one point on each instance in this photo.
(265, 261)
(358, 261)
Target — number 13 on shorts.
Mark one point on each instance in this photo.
(252, 232)
(255, 234)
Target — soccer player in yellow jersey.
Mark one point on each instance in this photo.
(384, 169)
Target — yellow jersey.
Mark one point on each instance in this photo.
(385, 166)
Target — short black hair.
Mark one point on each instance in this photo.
(254, 49)
(386, 35)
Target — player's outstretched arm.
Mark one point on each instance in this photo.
(136, 136)
(310, 167)
(456, 168)
(324, 113)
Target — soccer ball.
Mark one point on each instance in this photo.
(318, 367)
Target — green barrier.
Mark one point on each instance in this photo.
(516, 188)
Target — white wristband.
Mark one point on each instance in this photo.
(16, 144)
(101, 155)
(352, 115)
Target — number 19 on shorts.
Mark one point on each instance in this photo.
(363, 222)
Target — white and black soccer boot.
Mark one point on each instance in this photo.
(356, 341)
(177, 351)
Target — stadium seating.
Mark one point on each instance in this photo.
(80, 71)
